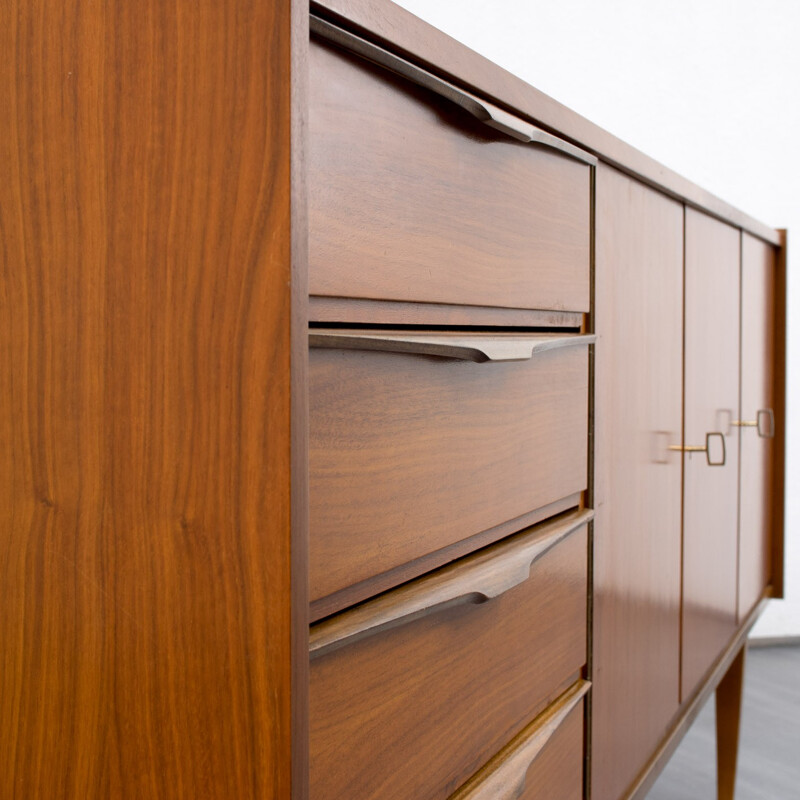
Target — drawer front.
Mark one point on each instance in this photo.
(415, 709)
(558, 770)
(544, 762)
(412, 453)
(412, 199)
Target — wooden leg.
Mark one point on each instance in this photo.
(729, 711)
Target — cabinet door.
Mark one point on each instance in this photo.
(637, 498)
(711, 401)
(757, 406)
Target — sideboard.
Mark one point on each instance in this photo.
(373, 426)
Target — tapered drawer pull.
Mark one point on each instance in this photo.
(503, 778)
(484, 111)
(764, 423)
(474, 579)
(500, 347)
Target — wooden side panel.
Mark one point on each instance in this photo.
(757, 386)
(639, 284)
(145, 251)
(779, 399)
(710, 573)
(412, 198)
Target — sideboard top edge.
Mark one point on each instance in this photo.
(397, 29)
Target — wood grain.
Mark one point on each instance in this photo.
(380, 312)
(779, 399)
(433, 205)
(391, 26)
(559, 769)
(412, 712)
(145, 403)
(476, 579)
(637, 556)
(729, 714)
(711, 386)
(690, 708)
(544, 761)
(410, 454)
(298, 381)
(478, 107)
(350, 596)
(757, 453)
(476, 347)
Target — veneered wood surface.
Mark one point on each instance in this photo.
(413, 712)
(145, 481)
(529, 766)
(298, 383)
(410, 454)
(558, 770)
(411, 198)
(729, 714)
(392, 26)
(495, 346)
(637, 555)
(779, 327)
(757, 453)
(711, 385)
(379, 312)
(352, 595)
(477, 578)
(691, 707)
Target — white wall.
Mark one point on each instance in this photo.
(710, 88)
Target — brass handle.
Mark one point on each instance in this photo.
(486, 112)
(500, 347)
(764, 423)
(704, 449)
(474, 579)
(503, 778)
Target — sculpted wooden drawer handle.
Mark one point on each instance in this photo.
(481, 109)
(764, 423)
(474, 579)
(503, 778)
(462, 346)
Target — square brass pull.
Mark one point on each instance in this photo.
(716, 462)
(765, 419)
(764, 423)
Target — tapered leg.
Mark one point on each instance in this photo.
(729, 711)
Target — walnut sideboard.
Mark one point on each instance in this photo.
(373, 427)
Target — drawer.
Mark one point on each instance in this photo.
(411, 452)
(411, 198)
(544, 762)
(411, 692)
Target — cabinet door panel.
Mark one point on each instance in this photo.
(711, 386)
(639, 296)
(755, 513)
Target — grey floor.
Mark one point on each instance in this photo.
(769, 746)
